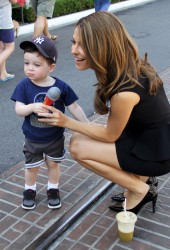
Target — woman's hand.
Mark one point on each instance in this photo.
(53, 116)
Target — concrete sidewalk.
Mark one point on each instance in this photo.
(85, 197)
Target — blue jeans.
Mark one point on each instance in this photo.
(101, 5)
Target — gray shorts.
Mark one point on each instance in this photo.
(43, 8)
(36, 152)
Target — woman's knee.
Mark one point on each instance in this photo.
(76, 146)
(73, 148)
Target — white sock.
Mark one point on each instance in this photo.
(52, 186)
(33, 187)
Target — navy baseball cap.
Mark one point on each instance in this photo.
(45, 46)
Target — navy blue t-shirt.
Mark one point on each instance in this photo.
(27, 92)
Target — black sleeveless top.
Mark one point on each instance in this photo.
(147, 133)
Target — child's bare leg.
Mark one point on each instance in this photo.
(53, 183)
(30, 188)
(31, 175)
(53, 171)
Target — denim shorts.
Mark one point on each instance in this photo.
(37, 152)
(43, 8)
(7, 35)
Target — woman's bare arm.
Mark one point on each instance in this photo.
(122, 105)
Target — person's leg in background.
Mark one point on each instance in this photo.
(105, 4)
(39, 27)
(7, 46)
(43, 10)
(101, 5)
(97, 5)
(4, 75)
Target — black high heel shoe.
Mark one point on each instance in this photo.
(120, 197)
(151, 196)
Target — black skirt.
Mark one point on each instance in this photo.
(144, 154)
(131, 163)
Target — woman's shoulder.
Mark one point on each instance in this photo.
(140, 87)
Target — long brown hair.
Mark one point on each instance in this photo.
(113, 55)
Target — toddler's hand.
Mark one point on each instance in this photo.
(38, 108)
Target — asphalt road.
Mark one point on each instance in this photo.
(148, 24)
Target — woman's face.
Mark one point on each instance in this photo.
(78, 53)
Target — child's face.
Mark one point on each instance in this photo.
(36, 67)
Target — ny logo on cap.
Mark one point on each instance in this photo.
(39, 40)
